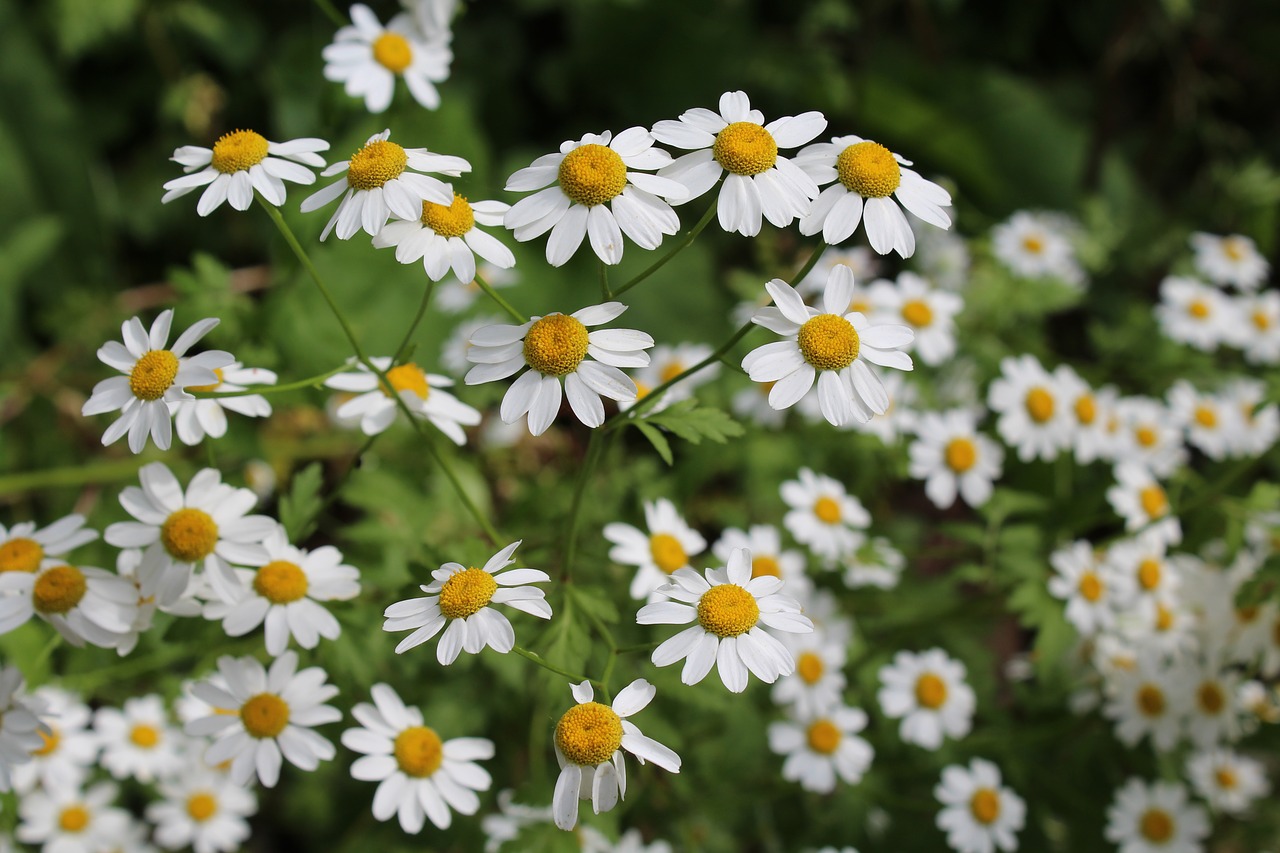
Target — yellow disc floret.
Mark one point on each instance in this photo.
(280, 582)
(827, 510)
(466, 592)
(555, 344)
(1033, 245)
(931, 691)
(810, 667)
(745, 148)
(985, 805)
(728, 610)
(237, 151)
(1039, 403)
(868, 169)
(1151, 700)
(917, 312)
(58, 590)
(1198, 309)
(667, 552)
(1086, 409)
(189, 535)
(1149, 573)
(20, 555)
(392, 52)
(1153, 500)
(144, 736)
(153, 374)
(589, 734)
(73, 818)
(201, 806)
(264, 715)
(823, 737)
(1090, 586)
(49, 743)
(419, 751)
(764, 565)
(375, 164)
(217, 372)
(961, 454)
(451, 220)
(828, 342)
(1156, 825)
(1226, 778)
(1209, 697)
(1206, 417)
(408, 377)
(592, 174)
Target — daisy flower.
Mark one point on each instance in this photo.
(599, 187)
(511, 818)
(668, 546)
(1037, 245)
(1034, 417)
(1146, 700)
(1257, 329)
(137, 741)
(460, 598)
(1213, 711)
(273, 712)
(1261, 420)
(1141, 501)
(764, 541)
(1230, 260)
(822, 747)
(951, 456)
(589, 741)
(423, 393)
(818, 682)
(62, 818)
(867, 178)
(928, 312)
(832, 346)
(367, 57)
(203, 810)
(446, 237)
(1091, 414)
(979, 814)
(823, 516)
(667, 362)
(381, 179)
(752, 404)
(557, 347)
(83, 603)
(21, 732)
(68, 749)
(419, 776)
(1093, 590)
(1194, 314)
(1211, 422)
(199, 417)
(204, 526)
(942, 257)
(876, 564)
(154, 378)
(927, 691)
(730, 608)
(24, 548)
(864, 263)
(1143, 560)
(1227, 781)
(1155, 818)
(736, 143)
(189, 603)
(239, 163)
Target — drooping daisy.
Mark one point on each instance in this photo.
(203, 810)
(927, 691)
(823, 746)
(205, 526)
(832, 346)
(818, 682)
(927, 311)
(200, 417)
(21, 732)
(137, 741)
(381, 179)
(1230, 260)
(1141, 500)
(24, 548)
(867, 177)
(768, 557)
(589, 741)
(1093, 589)
(420, 777)
(1227, 781)
(1037, 245)
(274, 713)
(446, 237)
(952, 457)
(1257, 329)
(1155, 818)
(668, 546)
(1034, 417)
(979, 813)
(736, 143)
(1145, 700)
(64, 819)
(154, 378)
(83, 603)
(460, 598)
(824, 516)
(367, 57)
(68, 749)
(731, 610)
(239, 163)
(423, 393)
(1194, 314)
(556, 347)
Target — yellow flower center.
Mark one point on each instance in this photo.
(589, 734)
(1151, 700)
(728, 610)
(931, 691)
(824, 737)
(419, 751)
(1149, 574)
(217, 371)
(1146, 436)
(1153, 500)
(48, 742)
(153, 374)
(58, 590)
(1164, 618)
(237, 151)
(1086, 409)
(985, 805)
(1206, 417)
(1090, 586)
(20, 555)
(810, 667)
(828, 342)
(408, 377)
(280, 582)
(1032, 245)
(1261, 320)
(452, 220)
(667, 552)
(642, 390)
(1198, 308)
(592, 174)
(962, 454)
(745, 148)
(1156, 825)
(145, 736)
(375, 164)
(827, 510)
(73, 818)
(264, 715)
(1233, 248)
(868, 169)
(392, 52)
(201, 806)
(189, 535)
(765, 565)
(671, 371)
(555, 344)
(1226, 778)
(1039, 403)
(918, 313)
(861, 305)
(1210, 698)
(466, 592)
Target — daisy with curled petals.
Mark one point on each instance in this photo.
(599, 188)
(446, 237)
(832, 346)
(867, 178)
(824, 516)
(419, 776)
(1156, 818)
(367, 58)
(731, 610)
(205, 526)
(979, 815)
(589, 740)
(381, 179)
(203, 810)
(1227, 781)
(927, 691)
(1234, 259)
(154, 378)
(205, 416)
(137, 740)
(952, 457)
(273, 712)
(239, 163)
(83, 603)
(735, 142)
(557, 347)
(668, 546)
(423, 393)
(21, 732)
(822, 746)
(23, 547)
(63, 819)
(459, 597)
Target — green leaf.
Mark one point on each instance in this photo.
(657, 439)
(299, 508)
(693, 422)
(594, 601)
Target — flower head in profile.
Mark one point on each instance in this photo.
(447, 237)
(422, 393)
(239, 163)
(367, 57)
(979, 813)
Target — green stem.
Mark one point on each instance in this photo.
(594, 448)
(671, 253)
(76, 475)
(447, 467)
(502, 303)
(605, 293)
(332, 12)
(316, 381)
(540, 661)
(402, 350)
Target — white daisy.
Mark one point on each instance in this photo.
(511, 818)
(1034, 417)
(189, 603)
(823, 516)
(367, 57)
(952, 457)
(823, 746)
(554, 347)
(204, 810)
(1155, 818)
(137, 741)
(24, 548)
(1146, 700)
(1261, 419)
(1149, 435)
(1214, 715)
(453, 352)
(1227, 781)
(1194, 314)
(864, 263)
(239, 163)
(200, 417)
(1091, 414)
(764, 541)
(736, 143)
(154, 378)
(1093, 590)
(1143, 559)
(668, 546)
(752, 404)
(83, 603)
(460, 598)
(423, 393)
(980, 814)
(876, 564)
(666, 362)
(420, 777)
(901, 416)
(274, 712)
(730, 608)
(927, 691)
(1257, 329)
(1141, 500)
(68, 749)
(832, 346)
(65, 820)
(927, 311)
(589, 740)
(1211, 422)
(446, 237)
(1037, 245)
(1230, 260)
(942, 257)
(381, 179)
(21, 732)
(818, 682)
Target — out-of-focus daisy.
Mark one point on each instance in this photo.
(822, 746)
(511, 818)
(1140, 500)
(367, 57)
(666, 362)
(902, 414)
(453, 352)
(736, 142)
(21, 732)
(876, 564)
(979, 813)
(423, 393)
(84, 603)
(824, 516)
(731, 610)
(68, 749)
(381, 179)
(456, 296)
(1227, 781)
(1036, 245)
(1257, 330)
(668, 546)
(832, 346)
(1034, 416)
(1230, 260)
(1149, 435)
(600, 188)
(952, 457)
(764, 541)
(445, 237)
(460, 598)
(1213, 713)
(1143, 560)
(200, 417)
(942, 257)
(1145, 700)
(1194, 314)
(927, 311)
(420, 776)
(752, 404)
(154, 378)
(274, 712)
(137, 741)
(1261, 420)
(1090, 413)
(1209, 420)
(927, 691)
(239, 163)
(64, 819)
(1155, 818)
(864, 263)
(818, 682)
(589, 741)
(867, 178)
(556, 347)
(1092, 589)
(203, 810)
(24, 548)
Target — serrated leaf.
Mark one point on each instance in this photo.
(693, 422)
(300, 507)
(657, 439)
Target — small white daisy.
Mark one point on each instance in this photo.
(1211, 422)
(239, 163)
(24, 548)
(367, 57)
(137, 741)
(864, 263)
(511, 818)
(68, 748)
(21, 732)
(927, 691)
(1261, 419)
(200, 417)
(876, 564)
(928, 312)
(154, 378)
(752, 404)
(83, 603)
(1037, 245)
(203, 810)
(1143, 559)
(423, 393)
(1155, 818)
(823, 746)
(824, 516)
(952, 457)
(1034, 417)
(1214, 714)
(1257, 330)
(764, 541)
(668, 546)
(589, 741)
(446, 237)
(1230, 260)
(65, 820)
(979, 813)
(1149, 435)
(1194, 314)
(1227, 781)
(189, 603)
(666, 362)
(1141, 501)
(1093, 590)
(1091, 414)
(460, 598)
(1146, 700)
(818, 682)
